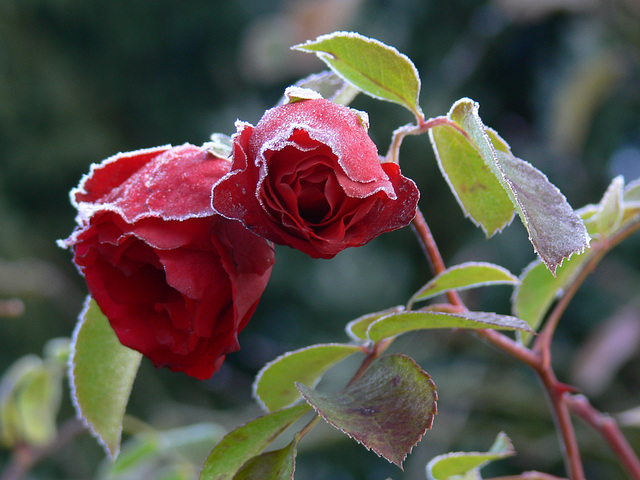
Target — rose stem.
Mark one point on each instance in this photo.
(554, 389)
(608, 429)
(603, 424)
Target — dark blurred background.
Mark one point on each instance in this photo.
(559, 79)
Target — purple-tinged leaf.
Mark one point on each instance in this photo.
(555, 230)
(452, 466)
(275, 387)
(396, 324)
(247, 441)
(387, 410)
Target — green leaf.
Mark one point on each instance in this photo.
(30, 395)
(465, 276)
(632, 191)
(102, 372)
(219, 146)
(247, 441)
(396, 324)
(539, 288)
(329, 86)
(609, 215)
(135, 453)
(451, 465)
(38, 403)
(473, 154)
(478, 192)
(274, 386)
(157, 449)
(618, 208)
(388, 409)
(357, 329)
(375, 68)
(275, 465)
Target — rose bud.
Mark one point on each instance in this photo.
(176, 281)
(308, 176)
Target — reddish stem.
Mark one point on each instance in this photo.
(557, 394)
(609, 430)
(554, 389)
(432, 253)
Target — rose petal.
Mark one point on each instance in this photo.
(308, 176)
(176, 281)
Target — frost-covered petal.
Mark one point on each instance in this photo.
(176, 281)
(308, 176)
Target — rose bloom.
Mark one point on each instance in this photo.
(176, 281)
(308, 176)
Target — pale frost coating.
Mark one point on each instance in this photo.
(147, 176)
(295, 94)
(85, 212)
(355, 169)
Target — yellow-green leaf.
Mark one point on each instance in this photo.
(275, 465)
(399, 323)
(274, 386)
(357, 329)
(465, 276)
(375, 68)
(102, 372)
(247, 441)
(478, 192)
(453, 465)
(539, 288)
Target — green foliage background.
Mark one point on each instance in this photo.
(83, 80)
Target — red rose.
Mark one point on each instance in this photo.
(176, 281)
(308, 176)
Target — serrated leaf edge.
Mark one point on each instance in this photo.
(428, 425)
